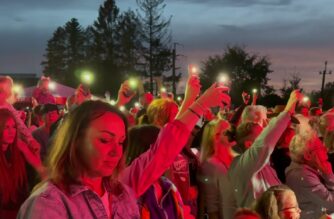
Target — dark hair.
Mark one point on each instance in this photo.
(65, 162)
(14, 177)
(140, 139)
(48, 108)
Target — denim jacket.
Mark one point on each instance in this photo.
(51, 202)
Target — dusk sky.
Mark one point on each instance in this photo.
(296, 35)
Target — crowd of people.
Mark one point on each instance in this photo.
(198, 158)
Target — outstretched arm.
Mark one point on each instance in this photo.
(148, 167)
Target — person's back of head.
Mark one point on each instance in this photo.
(141, 137)
(6, 84)
(207, 144)
(247, 133)
(161, 111)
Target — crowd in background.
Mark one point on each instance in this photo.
(164, 158)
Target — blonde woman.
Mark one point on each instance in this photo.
(216, 158)
(310, 175)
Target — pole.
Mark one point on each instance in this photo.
(174, 69)
(324, 72)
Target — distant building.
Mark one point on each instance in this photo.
(24, 79)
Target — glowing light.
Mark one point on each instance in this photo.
(52, 85)
(87, 77)
(137, 105)
(163, 89)
(254, 91)
(113, 102)
(179, 98)
(18, 89)
(133, 83)
(306, 99)
(193, 69)
(122, 108)
(223, 78)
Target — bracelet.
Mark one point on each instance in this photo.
(194, 112)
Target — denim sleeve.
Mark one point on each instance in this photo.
(42, 206)
(149, 166)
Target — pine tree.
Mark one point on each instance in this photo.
(156, 36)
(55, 63)
(129, 42)
(103, 48)
(75, 51)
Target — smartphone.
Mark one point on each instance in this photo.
(86, 89)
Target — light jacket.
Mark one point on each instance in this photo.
(250, 173)
(314, 190)
(50, 202)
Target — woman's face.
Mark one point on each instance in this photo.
(9, 134)
(103, 144)
(290, 208)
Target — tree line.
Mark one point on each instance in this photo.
(138, 43)
(117, 45)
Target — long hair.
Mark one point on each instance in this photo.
(270, 202)
(13, 170)
(65, 162)
(207, 144)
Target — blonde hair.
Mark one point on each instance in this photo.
(326, 127)
(7, 80)
(207, 144)
(271, 201)
(159, 112)
(299, 144)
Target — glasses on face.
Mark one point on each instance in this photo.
(296, 208)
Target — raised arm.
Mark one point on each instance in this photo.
(259, 153)
(193, 88)
(148, 167)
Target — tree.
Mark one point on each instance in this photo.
(128, 42)
(156, 36)
(65, 53)
(103, 49)
(55, 63)
(290, 85)
(246, 71)
(328, 98)
(75, 51)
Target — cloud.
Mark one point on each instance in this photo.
(240, 3)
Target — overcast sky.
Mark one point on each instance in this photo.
(296, 35)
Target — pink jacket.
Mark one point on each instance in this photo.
(149, 166)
